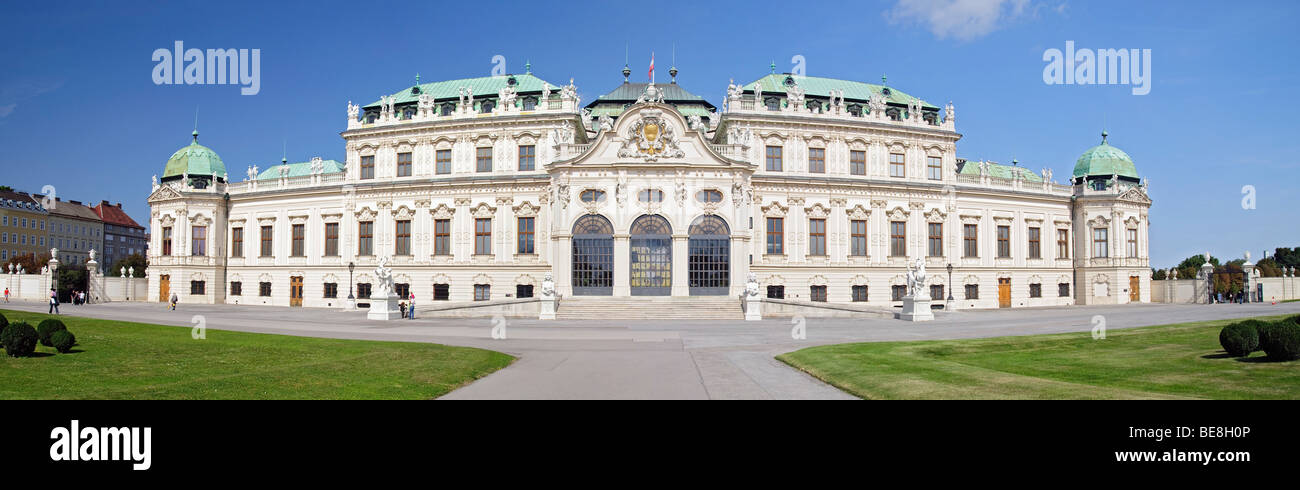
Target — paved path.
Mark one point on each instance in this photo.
(647, 359)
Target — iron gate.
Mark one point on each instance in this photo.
(709, 263)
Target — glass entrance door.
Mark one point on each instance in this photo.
(593, 256)
(709, 265)
(651, 256)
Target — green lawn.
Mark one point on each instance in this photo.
(1168, 361)
(122, 360)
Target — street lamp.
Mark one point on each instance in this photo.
(950, 284)
(351, 266)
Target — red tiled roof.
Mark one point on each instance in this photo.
(113, 215)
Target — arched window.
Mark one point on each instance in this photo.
(486, 107)
(448, 108)
(592, 195)
(530, 103)
(772, 103)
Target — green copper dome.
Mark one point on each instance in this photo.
(1104, 161)
(195, 160)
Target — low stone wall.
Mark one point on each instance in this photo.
(784, 308)
(1196, 291)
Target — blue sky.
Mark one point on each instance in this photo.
(79, 109)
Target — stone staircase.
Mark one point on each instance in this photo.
(649, 308)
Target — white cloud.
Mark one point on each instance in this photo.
(962, 20)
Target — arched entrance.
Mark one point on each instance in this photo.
(709, 265)
(593, 256)
(651, 256)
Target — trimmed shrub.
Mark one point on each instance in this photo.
(46, 328)
(1239, 339)
(19, 340)
(63, 341)
(4, 322)
(1266, 334)
(1284, 342)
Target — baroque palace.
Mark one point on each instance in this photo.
(474, 191)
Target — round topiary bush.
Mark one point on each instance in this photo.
(4, 322)
(1239, 339)
(63, 341)
(1266, 332)
(20, 340)
(46, 328)
(1284, 342)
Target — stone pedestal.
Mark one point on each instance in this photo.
(916, 309)
(753, 308)
(351, 303)
(548, 309)
(384, 308)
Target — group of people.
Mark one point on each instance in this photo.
(408, 310)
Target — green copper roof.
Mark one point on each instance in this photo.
(483, 87)
(616, 101)
(821, 87)
(300, 169)
(194, 159)
(1104, 160)
(999, 170)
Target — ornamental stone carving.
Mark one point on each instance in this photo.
(650, 138)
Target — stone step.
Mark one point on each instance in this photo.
(645, 307)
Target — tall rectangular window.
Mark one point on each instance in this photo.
(1100, 243)
(236, 288)
(859, 293)
(817, 160)
(1035, 290)
(857, 162)
(483, 159)
(368, 167)
(482, 292)
(897, 167)
(236, 242)
(934, 168)
(166, 240)
(525, 234)
(935, 241)
(263, 289)
(972, 291)
(1062, 244)
(1035, 243)
(404, 164)
(898, 238)
(199, 240)
(1004, 242)
(527, 157)
(266, 241)
(775, 236)
(816, 237)
(442, 160)
(817, 293)
(441, 292)
(365, 238)
(402, 246)
(299, 243)
(483, 236)
(442, 237)
(1131, 235)
(858, 237)
(774, 159)
(331, 290)
(331, 239)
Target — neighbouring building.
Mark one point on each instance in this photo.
(22, 226)
(122, 235)
(74, 230)
(476, 189)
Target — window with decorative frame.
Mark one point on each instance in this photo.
(267, 237)
(1100, 243)
(365, 238)
(857, 162)
(331, 239)
(816, 236)
(166, 239)
(817, 160)
(860, 293)
(1035, 243)
(482, 292)
(709, 196)
(298, 246)
(237, 242)
(482, 236)
(331, 290)
(1063, 289)
(483, 159)
(775, 236)
(525, 236)
(404, 164)
(402, 245)
(972, 291)
(1035, 290)
(1004, 242)
(858, 238)
(936, 291)
(367, 167)
(1062, 243)
(897, 165)
(1132, 238)
(198, 241)
(442, 161)
(897, 238)
(442, 237)
(264, 289)
(774, 158)
(897, 292)
(934, 168)
(817, 293)
(441, 292)
(198, 288)
(236, 288)
(776, 292)
(935, 240)
(527, 157)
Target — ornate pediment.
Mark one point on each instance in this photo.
(483, 211)
(525, 209)
(1135, 194)
(366, 214)
(934, 215)
(443, 211)
(164, 193)
(650, 138)
(817, 211)
(775, 210)
(403, 213)
(898, 214)
(1099, 222)
(859, 213)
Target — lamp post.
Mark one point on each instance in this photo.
(352, 300)
(950, 302)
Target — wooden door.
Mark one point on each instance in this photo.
(1004, 292)
(1133, 291)
(295, 291)
(164, 288)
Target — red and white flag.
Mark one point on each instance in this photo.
(652, 67)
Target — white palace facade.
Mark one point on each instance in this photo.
(475, 190)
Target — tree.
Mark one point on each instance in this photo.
(1287, 257)
(1191, 266)
(134, 260)
(1158, 274)
(1268, 268)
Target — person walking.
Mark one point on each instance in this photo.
(402, 305)
(6, 295)
(175, 300)
(54, 301)
(410, 315)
